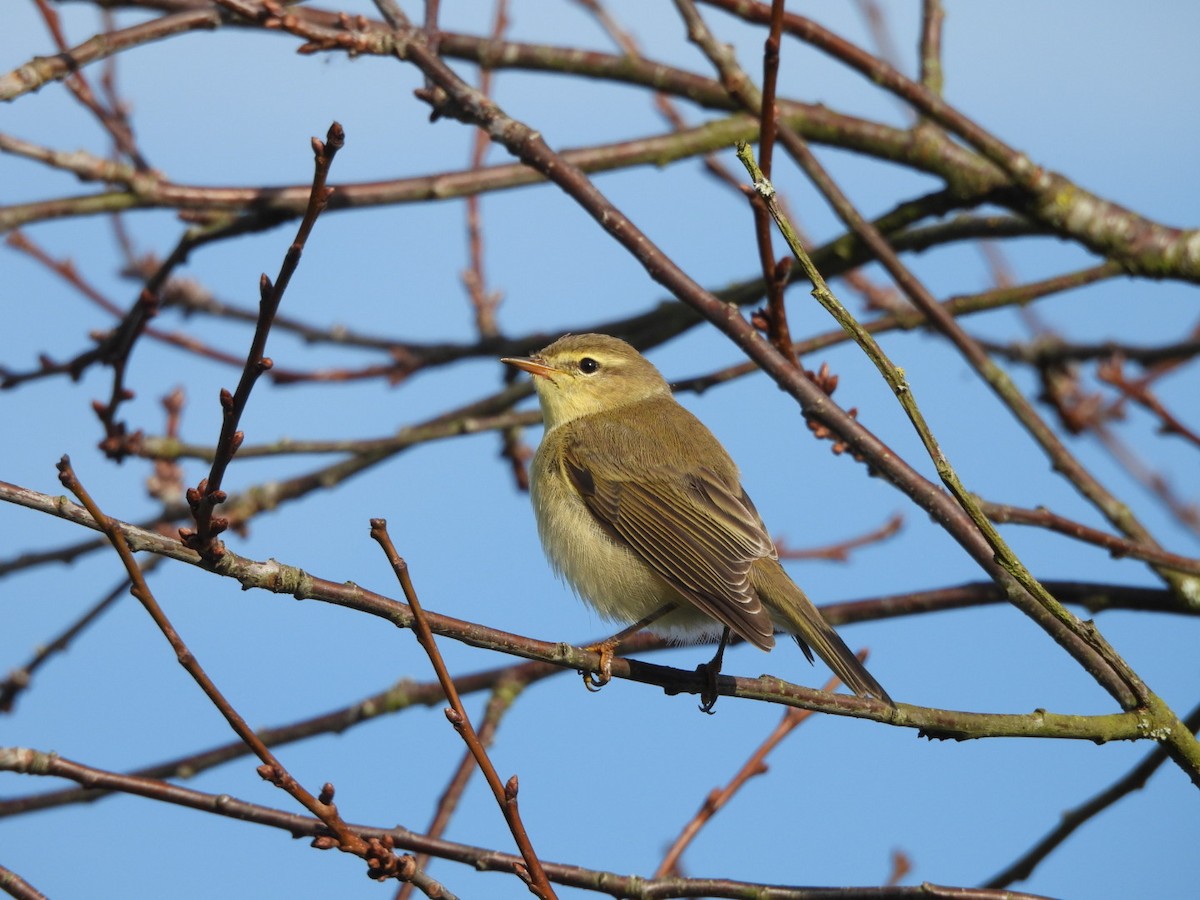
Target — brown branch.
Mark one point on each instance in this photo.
(662, 101)
(1073, 819)
(1047, 350)
(18, 680)
(111, 120)
(382, 863)
(472, 418)
(719, 797)
(42, 70)
(401, 696)
(840, 551)
(281, 578)
(208, 494)
(16, 886)
(1110, 372)
(1107, 228)
(264, 208)
(633, 887)
(504, 694)
(532, 874)
(933, 76)
(1117, 547)
(1186, 513)
(66, 270)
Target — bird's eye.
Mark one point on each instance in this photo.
(587, 365)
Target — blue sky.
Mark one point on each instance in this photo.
(606, 779)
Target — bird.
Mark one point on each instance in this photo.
(641, 510)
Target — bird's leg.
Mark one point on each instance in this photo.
(593, 681)
(710, 670)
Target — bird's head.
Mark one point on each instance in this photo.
(582, 374)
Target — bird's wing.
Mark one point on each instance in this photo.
(694, 532)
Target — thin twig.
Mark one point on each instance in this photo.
(840, 551)
(381, 861)
(403, 695)
(505, 793)
(110, 119)
(504, 694)
(1071, 820)
(719, 797)
(208, 494)
(626, 887)
(933, 75)
(1118, 547)
(18, 680)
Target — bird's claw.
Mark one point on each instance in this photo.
(710, 671)
(709, 693)
(593, 681)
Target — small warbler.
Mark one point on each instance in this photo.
(642, 511)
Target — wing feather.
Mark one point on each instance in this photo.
(699, 533)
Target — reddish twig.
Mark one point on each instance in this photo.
(840, 551)
(399, 697)
(504, 694)
(775, 272)
(31, 762)
(901, 866)
(719, 797)
(381, 861)
(485, 302)
(16, 886)
(111, 119)
(532, 874)
(1187, 513)
(1111, 372)
(208, 494)
(1118, 547)
(166, 484)
(773, 318)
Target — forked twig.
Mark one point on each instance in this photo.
(381, 861)
(207, 495)
(755, 765)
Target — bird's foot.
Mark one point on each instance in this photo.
(708, 693)
(593, 681)
(710, 671)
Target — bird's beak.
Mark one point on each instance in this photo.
(530, 365)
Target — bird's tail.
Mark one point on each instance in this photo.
(795, 613)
